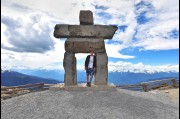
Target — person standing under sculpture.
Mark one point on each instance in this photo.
(90, 67)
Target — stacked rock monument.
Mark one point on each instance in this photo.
(82, 39)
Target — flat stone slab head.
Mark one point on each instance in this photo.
(86, 17)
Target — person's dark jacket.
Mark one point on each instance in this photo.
(87, 61)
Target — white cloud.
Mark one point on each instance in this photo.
(140, 67)
(164, 4)
(156, 34)
(158, 44)
(122, 13)
(65, 10)
(27, 39)
(49, 60)
(4, 37)
(27, 36)
(113, 50)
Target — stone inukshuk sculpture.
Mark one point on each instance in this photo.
(81, 39)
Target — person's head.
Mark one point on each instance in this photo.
(91, 52)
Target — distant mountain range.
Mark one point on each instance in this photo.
(120, 78)
(12, 78)
(57, 76)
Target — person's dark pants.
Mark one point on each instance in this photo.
(89, 72)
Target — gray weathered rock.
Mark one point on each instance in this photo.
(69, 63)
(86, 17)
(80, 31)
(85, 45)
(82, 39)
(101, 69)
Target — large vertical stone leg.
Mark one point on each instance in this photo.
(101, 76)
(69, 64)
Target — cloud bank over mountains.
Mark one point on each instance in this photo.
(140, 67)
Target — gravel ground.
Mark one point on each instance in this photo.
(173, 93)
(120, 104)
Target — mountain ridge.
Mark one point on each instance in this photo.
(118, 78)
(12, 78)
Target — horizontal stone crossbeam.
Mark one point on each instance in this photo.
(80, 31)
(85, 45)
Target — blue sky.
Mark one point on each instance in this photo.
(147, 35)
